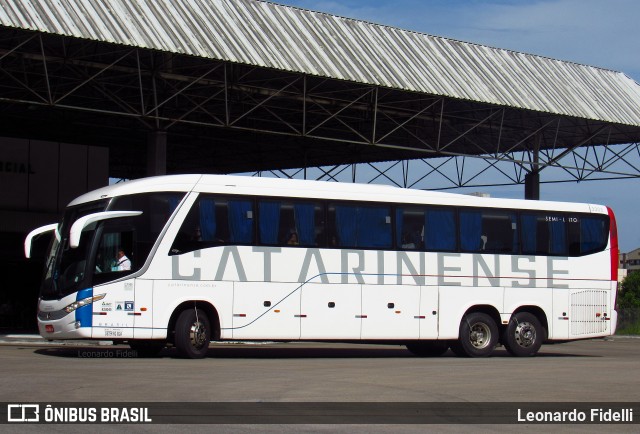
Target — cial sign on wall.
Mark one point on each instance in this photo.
(43, 177)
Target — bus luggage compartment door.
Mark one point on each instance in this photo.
(390, 311)
(331, 311)
(266, 310)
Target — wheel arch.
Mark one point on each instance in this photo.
(478, 333)
(207, 307)
(484, 308)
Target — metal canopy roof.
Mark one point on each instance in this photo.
(295, 40)
(247, 86)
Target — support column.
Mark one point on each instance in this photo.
(532, 186)
(532, 179)
(156, 153)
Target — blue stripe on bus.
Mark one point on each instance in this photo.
(84, 314)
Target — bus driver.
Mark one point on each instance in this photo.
(122, 263)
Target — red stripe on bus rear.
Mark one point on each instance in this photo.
(615, 250)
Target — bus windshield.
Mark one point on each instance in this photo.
(108, 249)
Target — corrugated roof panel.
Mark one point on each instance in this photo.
(225, 41)
(314, 56)
(396, 59)
(144, 31)
(291, 39)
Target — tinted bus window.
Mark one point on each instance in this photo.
(557, 234)
(410, 225)
(289, 223)
(544, 234)
(215, 221)
(490, 231)
(440, 232)
(594, 234)
(359, 226)
(426, 229)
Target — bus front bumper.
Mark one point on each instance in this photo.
(67, 318)
(64, 328)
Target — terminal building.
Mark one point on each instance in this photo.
(630, 262)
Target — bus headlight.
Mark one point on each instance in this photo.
(85, 301)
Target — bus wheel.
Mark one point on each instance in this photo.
(524, 335)
(428, 349)
(192, 334)
(478, 336)
(147, 348)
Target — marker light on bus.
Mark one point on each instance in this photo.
(78, 304)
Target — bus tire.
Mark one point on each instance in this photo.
(524, 335)
(429, 348)
(478, 336)
(192, 334)
(146, 348)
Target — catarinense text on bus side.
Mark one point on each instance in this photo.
(270, 264)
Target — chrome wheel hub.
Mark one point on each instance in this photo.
(480, 335)
(525, 334)
(197, 334)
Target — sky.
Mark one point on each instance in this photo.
(602, 33)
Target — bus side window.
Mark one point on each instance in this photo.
(367, 226)
(557, 237)
(594, 234)
(586, 234)
(200, 227)
(440, 230)
(529, 229)
(410, 228)
(298, 223)
(543, 234)
(471, 231)
(488, 231)
(239, 222)
(573, 236)
(308, 223)
(500, 232)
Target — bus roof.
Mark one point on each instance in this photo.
(246, 185)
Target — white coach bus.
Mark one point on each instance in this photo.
(214, 258)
